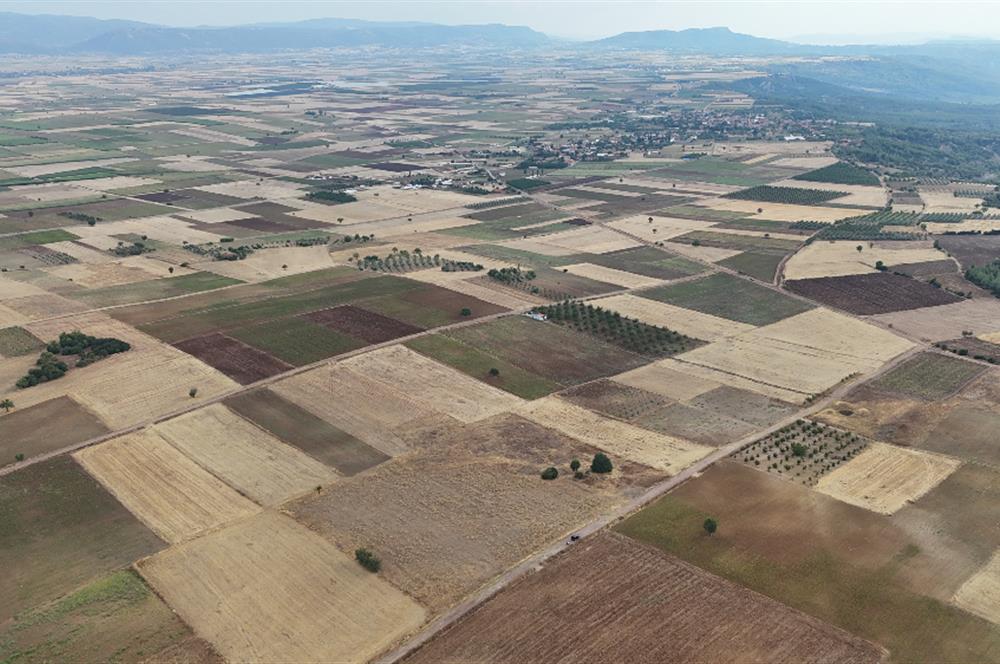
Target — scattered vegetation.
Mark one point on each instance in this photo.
(86, 348)
(870, 227)
(803, 451)
(330, 197)
(511, 275)
(986, 276)
(131, 249)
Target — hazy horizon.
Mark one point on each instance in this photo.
(811, 22)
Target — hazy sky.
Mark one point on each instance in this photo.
(842, 19)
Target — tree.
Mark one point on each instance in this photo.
(574, 465)
(6, 404)
(601, 463)
(368, 560)
(494, 372)
(466, 311)
(550, 473)
(860, 248)
(710, 526)
(18, 457)
(193, 392)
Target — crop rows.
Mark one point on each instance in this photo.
(870, 227)
(840, 173)
(484, 205)
(803, 451)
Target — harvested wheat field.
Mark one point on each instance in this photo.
(666, 381)
(980, 316)
(686, 321)
(610, 275)
(268, 590)
(834, 259)
(252, 461)
(641, 606)
(344, 398)
(655, 450)
(981, 593)
(444, 524)
(884, 478)
(268, 264)
(175, 497)
(784, 211)
(433, 384)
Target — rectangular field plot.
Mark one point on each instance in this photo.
(267, 589)
(867, 294)
(233, 358)
(114, 618)
(437, 386)
(297, 340)
(307, 432)
(16, 341)
(928, 376)
(652, 608)
(655, 450)
(611, 275)
(247, 458)
(551, 351)
(686, 321)
(357, 322)
(46, 427)
(981, 593)
(478, 364)
(430, 547)
(729, 297)
(173, 495)
(61, 529)
(884, 478)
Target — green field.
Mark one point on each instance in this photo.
(296, 340)
(841, 173)
(477, 363)
(730, 297)
(38, 237)
(928, 376)
(759, 265)
(154, 289)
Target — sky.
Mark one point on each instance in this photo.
(830, 21)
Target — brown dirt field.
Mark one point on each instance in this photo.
(241, 362)
(615, 399)
(268, 590)
(433, 384)
(60, 530)
(45, 427)
(884, 478)
(979, 316)
(451, 302)
(357, 322)
(867, 294)
(307, 432)
(444, 524)
(650, 607)
(971, 249)
(249, 459)
(171, 494)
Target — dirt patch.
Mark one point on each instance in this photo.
(241, 362)
(651, 607)
(309, 433)
(357, 322)
(267, 589)
(46, 427)
(615, 399)
(867, 294)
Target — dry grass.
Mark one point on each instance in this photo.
(981, 593)
(611, 276)
(784, 211)
(267, 264)
(247, 458)
(666, 381)
(981, 316)
(833, 259)
(433, 384)
(171, 494)
(268, 590)
(884, 478)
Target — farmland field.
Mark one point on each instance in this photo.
(45, 427)
(728, 297)
(233, 358)
(868, 294)
(928, 376)
(266, 588)
(653, 608)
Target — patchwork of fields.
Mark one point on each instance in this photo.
(290, 376)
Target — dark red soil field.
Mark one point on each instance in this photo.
(871, 293)
(612, 599)
(394, 166)
(357, 322)
(971, 249)
(233, 358)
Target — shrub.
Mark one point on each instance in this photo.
(574, 465)
(193, 392)
(466, 311)
(601, 463)
(550, 473)
(368, 560)
(710, 526)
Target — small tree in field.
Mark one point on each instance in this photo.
(193, 392)
(574, 465)
(494, 372)
(368, 560)
(710, 526)
(6, 404)
(601, 463)
(550, 473)
(466, 311)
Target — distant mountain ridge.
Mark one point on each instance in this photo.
(714, 41)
